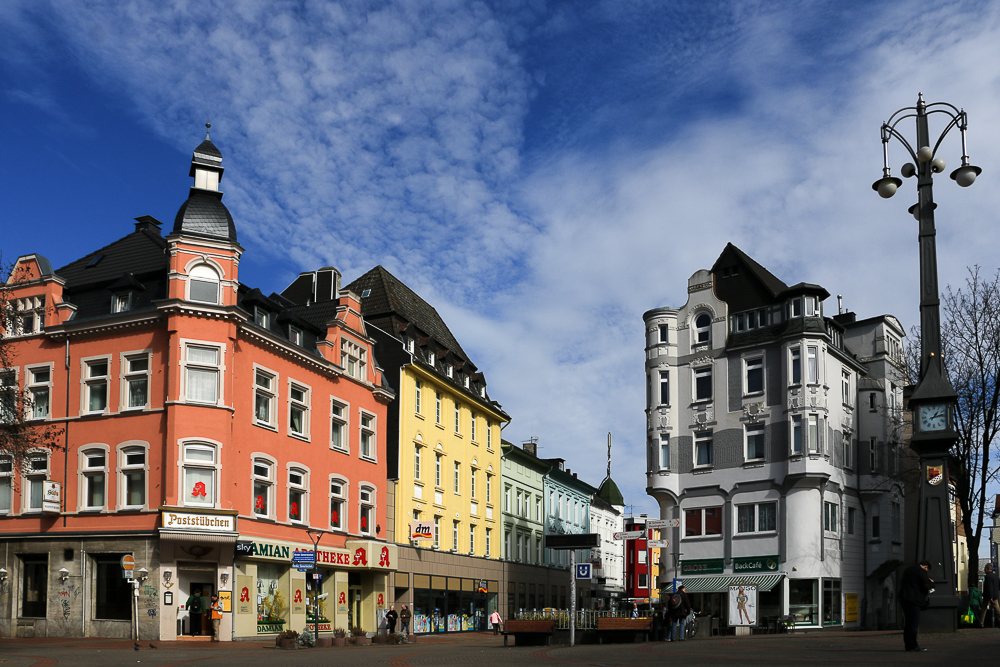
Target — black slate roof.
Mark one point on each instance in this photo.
(208, 148)
(743, 283)
(139, 253)
(389, 298)
(204, 213)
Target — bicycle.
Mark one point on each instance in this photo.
(690, 625)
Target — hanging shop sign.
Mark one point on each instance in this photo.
(756, 564)
(703, 566)
(198, 521)
(51, 497)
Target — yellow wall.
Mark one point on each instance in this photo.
(422, 430)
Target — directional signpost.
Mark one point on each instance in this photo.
(304, 560)
(630, 535)
(572, 543)
(663, 523)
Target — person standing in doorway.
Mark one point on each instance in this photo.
(216, 613)
(991, 593)
(390, 619)
(496, 622)
(206, 607)
(404, 620)
(194, 609)
(914, 597)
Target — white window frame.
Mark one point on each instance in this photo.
(754, 362)
(268, 395)
(458, 419)
(701, 437)
(814, 426)
(472, 427)
(454, 533)
(489, 489)
(86, 473)
(437, 532)
(845, 387)
(417, 395)
(126, 376)
(353, 358)
(756, 511)
(294, 335)
(9, 395)
(830, 518)
(261, 317)
(438, 472)
(698, 373)
(472, 482)
(33, 388)
(267, 480)
(371, 503)
(302, 488)
(756, 428)
(472, 538)
(214, 467)
(489, 435)
(506, 498)
(796, 428)
(812, 364)
(664, 395)
(702, 333)
(126, 468)
(6, 484)
(795, 365)
(487, 545)
(437, 408)
(219, 369)
(205, 274)
(367, 432)
(416, 462)
(458, 478)
(343, 496)
(304, 405)
(701, 510)
(340, 423)
(35, 475)
(121, 302)
(848, 450)
(89, 382)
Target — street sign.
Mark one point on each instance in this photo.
(128, 574)
(317, 575)
(303, 557)
(583, 570)
(302, 567)
(658, 544)
(630, 535)
(128, 562)
(663, 523)
(578, 541)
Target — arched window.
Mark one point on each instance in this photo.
(204, 284)
(703, 328)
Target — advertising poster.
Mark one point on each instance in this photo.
(850, 607)
(742, 605)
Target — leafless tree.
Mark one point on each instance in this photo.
(970, 341)
(19, 435)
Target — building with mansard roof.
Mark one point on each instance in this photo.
(774, 435)
(208, 429)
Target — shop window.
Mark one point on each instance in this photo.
(263, 487)
(6, 484)
(113, 594)
(135, 381)
(298, 410)
(297, 494)
(93, 469)
(132, 473)
(703, 522)
(802, 601)
(338, 425)
(34, 585)
(338, 503)
(95, 385)
(831, 602)
(366, 496)
(367, 436)
(199, 475)
(39, 389)
(203, 282)
(265, 384)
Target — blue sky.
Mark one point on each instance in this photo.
(541, 172)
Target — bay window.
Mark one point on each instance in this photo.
(706, 521)
(203, 366)
(135, 381)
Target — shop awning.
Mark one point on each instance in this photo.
(763, 582)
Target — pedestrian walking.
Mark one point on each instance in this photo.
(975, 603)
(390, 619)
(216, 612)
(991, 593)
(678, 607)
(914, 597)
(496, 622)
(404, 619)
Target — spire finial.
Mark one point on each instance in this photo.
(609, 455)
(208, 126)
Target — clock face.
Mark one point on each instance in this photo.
(934, 417)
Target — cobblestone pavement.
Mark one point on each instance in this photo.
(880, 649)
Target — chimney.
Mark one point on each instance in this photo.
(147, 222)
(530, 448)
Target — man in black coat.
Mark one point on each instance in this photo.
(991, 593)
(914, 592)
(390, 619)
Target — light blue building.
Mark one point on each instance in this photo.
(567, 510)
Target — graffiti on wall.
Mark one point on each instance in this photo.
(67, 598)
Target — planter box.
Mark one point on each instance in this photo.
(340, 641)
(285, 643)
(324, 642)
(361, 641)
(379, 639)
(412, 639)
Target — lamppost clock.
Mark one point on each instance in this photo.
(933, 417)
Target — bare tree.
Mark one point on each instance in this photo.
(19, 434)
(970, 343)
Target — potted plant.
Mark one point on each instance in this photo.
(339, 637)
(358, 636)
(286, 639)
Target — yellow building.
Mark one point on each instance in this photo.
(443, 451)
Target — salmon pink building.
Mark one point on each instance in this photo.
(211, 435)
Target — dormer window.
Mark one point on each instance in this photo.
(450, 371)
(805, 305)
(260, 317)
(121, 303)
(295, 335)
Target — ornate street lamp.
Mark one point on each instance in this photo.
(933, 399)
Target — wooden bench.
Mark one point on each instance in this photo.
(611, 624)
(523, 631)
